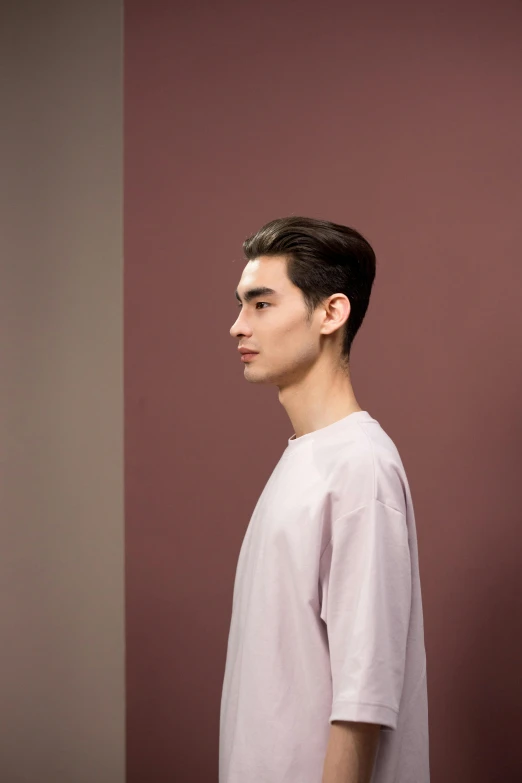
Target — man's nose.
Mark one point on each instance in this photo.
(238, 327)
(234, 329)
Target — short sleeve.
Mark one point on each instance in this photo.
(365, 575)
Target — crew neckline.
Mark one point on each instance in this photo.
(324, 432)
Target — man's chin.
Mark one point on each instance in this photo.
(254, 377)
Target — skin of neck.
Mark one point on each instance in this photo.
(321, 395)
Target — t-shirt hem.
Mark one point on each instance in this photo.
(366, 713)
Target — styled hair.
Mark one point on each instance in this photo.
(323, 258)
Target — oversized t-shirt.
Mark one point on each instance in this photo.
(327, 619)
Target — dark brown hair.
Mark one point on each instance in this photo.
(323, 258)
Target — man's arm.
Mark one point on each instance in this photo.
(351, 752)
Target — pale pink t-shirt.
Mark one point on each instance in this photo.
(327, 619)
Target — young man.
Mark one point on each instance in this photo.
(325, 678)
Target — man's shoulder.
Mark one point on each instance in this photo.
(368, 470)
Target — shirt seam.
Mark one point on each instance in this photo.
(349, 514)
(372, 450)
(364, 704)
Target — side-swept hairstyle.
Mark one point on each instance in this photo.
(323, 258)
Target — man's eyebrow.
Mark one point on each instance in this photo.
(253, 293)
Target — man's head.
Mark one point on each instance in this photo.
(322, 275)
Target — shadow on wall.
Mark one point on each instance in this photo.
(483, 701)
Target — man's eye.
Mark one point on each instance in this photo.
(266, 303)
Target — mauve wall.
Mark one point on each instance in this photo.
(405, 121)
(62, 702)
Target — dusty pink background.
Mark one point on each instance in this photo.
(403, 120)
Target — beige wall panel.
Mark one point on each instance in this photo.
(61, 394)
